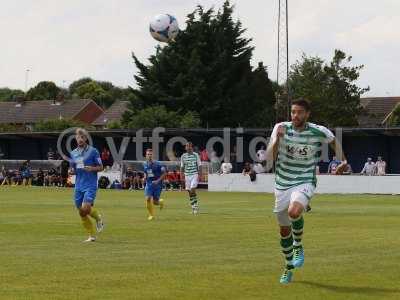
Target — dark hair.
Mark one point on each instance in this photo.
(303, 103)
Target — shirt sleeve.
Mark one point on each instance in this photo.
(182, 163)
(96, 158)
(198, 160)
(329, 136)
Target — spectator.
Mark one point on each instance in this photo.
(16, 179)
(214, 162)
(173, 178)
(106, 157)
(51, 179)
(226, 166)
(39, 180)
(247, 169)
(3, 174)
(7, 175)
(333, 165)
(64, 168)
(204, 155)
(348, 170)
(50, 154)
(26, 173)
(129, 181)
(369, 167)
(380, 166)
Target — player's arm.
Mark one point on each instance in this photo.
(277, 133)
(336, 146)
(162, 177)
(198, 163)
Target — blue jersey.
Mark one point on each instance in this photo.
(80, 158)
(153, 170)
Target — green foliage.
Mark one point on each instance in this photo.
(331, 88)
(44, 90)
(159, 116)
(394, 119)
(207, 70)
(7, 94)
(58, 125)
(10, 128)
(104, 93)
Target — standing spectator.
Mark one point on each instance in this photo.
(64, 168)
(204, 155)
(214, 162)
(26, 173)
(380, 166)
(50, 154)
(7, 175)
(106, 157)
(333, 165)
(226, 166)
(369, 167)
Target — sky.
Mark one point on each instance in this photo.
(65, 40)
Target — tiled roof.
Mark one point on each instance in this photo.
(112, 114)
(30, 112)
(377, 109)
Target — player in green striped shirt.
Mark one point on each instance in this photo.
(190, 166)
(296, 147)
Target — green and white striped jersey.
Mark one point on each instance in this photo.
(190, 162)
(298, 154)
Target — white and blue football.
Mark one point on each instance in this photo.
(164, 28)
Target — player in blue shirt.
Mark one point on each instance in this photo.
(85, 162)
(154, 174)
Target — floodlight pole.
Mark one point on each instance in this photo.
(283, 59)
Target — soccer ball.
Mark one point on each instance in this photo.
(164, 28)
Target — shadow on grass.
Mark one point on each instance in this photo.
(351, 289)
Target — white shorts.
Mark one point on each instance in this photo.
(283, 198)
(191, 181)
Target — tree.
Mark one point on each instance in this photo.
(92, 90)
(7, 94)
(207, 70)
(394, 119)
(331, 88)
(58, 125)
(44, 90)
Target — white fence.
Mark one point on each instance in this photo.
(327, 184)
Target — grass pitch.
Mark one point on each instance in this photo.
(230, 251)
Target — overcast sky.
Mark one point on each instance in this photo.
(65, 40)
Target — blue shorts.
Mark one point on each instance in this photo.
(153, 191)
(87, 196)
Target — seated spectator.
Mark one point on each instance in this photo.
(39, 179)
(369, 168)
(103, 182)
(215, 164)
(348, 170)
(247, 168)
(51, 178)
(226, 167)
(3, 174)
(16, 179)
(380, 166)
(129, 179)
(333, 165)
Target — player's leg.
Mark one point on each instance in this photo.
(84, 211)
(299, 201)
(148, 193)
(90, 197)
(157, 201)
(282, 200)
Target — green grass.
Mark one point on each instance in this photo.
(230, 251)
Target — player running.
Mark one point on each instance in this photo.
(85, 162)
(190, 166)
(296, 147)
(154, 174)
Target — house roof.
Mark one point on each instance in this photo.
(29, 112)
(377, 109)
(112, 114)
